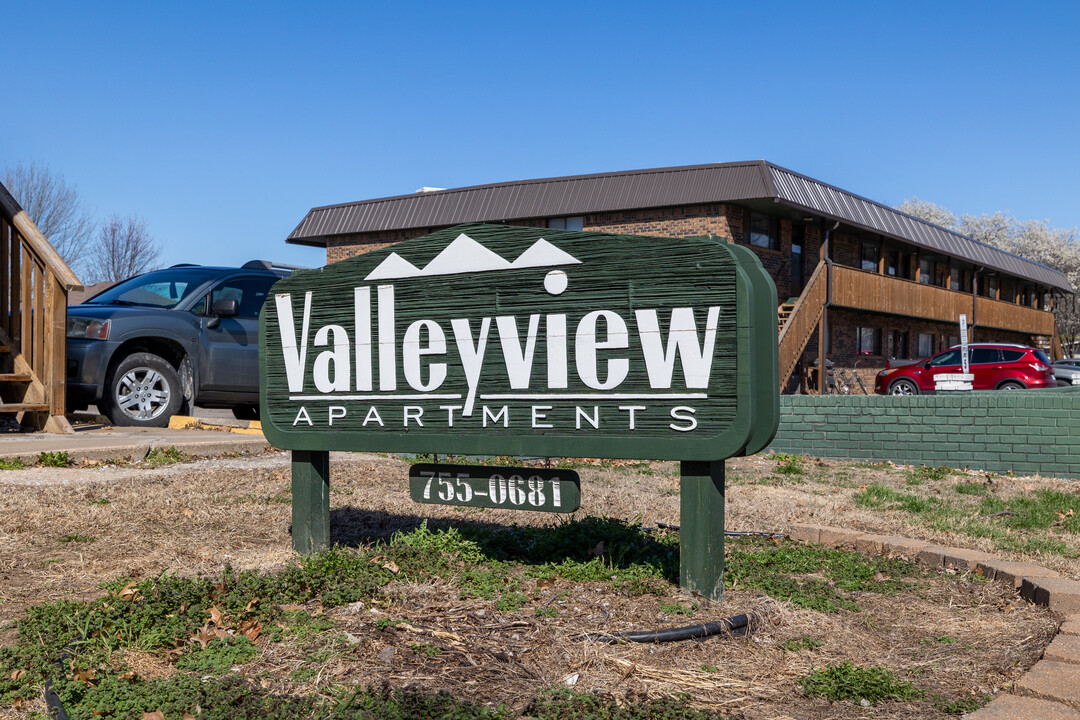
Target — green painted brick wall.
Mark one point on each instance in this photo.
(1036, 431)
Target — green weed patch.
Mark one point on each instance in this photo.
(1022, 523)
(164, 456)
(848, 682)
(54, 459)
(783, 571)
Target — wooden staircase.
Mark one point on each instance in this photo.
(34, 286)
(799, 321)
(783, 313)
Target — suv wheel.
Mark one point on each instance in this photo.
(142, 391)
(1010, 385)
(903, 387)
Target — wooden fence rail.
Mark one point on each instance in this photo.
(34, 286)
(862, 290)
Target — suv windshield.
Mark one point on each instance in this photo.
(162, 288)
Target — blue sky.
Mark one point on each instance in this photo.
(223, 123)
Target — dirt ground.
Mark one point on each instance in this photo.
(64, 531)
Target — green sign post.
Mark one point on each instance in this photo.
(498, 340)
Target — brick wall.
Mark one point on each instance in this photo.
(845, 345)
(339, 247)
(679, 221)
(1031, 432)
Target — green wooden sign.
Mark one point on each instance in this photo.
(497, 340)
(507, 488)
(503, 340)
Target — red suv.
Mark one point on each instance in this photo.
(995, 366)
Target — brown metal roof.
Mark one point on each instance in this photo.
(653, 188)
(814, 196)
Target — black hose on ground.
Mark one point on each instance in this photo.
(689, 632)
(54, 708)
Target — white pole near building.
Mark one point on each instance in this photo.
(964, 343)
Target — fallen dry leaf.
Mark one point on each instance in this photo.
(129, 592)
(251, 629)
(391, 566)
(156, 715)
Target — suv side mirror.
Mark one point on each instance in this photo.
(224, 308)
(228, 307)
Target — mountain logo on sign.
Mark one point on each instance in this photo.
(465, 255)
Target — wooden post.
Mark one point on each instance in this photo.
(310, 500)
(55, 354)
(5, 276)
(701, 536)
(14, 326)
(26, 334)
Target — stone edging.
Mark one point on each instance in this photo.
(1049, 690)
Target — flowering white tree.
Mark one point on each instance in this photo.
(1035, 240)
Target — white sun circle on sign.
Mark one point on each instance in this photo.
(555, 282)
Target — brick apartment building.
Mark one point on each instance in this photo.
(877, 283)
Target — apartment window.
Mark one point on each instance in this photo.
(941, 275)
(764, 231)
(869, 341)
(992, 286)
(567, 223)
(926, 271)
(954, 278)
(868, 255)
(926, 344)
(906, 261)
(954, 340)
(899, 344)
(892, 263)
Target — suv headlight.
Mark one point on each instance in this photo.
(87, 328)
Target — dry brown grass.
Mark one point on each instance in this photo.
(194, 518)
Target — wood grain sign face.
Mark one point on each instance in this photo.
(498, 340)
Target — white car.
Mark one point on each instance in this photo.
(1067, 371)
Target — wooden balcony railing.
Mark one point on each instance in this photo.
(803, 321)
(861, 290)
(34, 286)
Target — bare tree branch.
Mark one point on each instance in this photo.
(124, 247)
(55, 207)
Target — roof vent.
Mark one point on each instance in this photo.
(429, 189)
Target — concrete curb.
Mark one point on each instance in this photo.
(104, 445)
(1048, 691)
